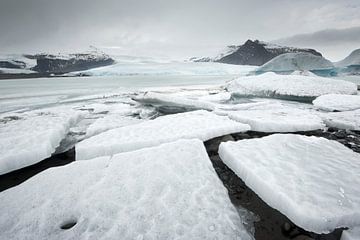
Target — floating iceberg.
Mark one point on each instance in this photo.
(337, 102)
(28, 138)
(351, 234)
(289, 62)
(198, 124)
(168, 103)
(165, 192)
(305, 178)
(288, 87)
(349, 120)
(277, 118)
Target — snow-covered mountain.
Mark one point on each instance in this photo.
(352, 60)
(253, 53)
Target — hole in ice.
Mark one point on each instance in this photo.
(68, 224)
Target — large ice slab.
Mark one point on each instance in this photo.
(351, 234)
(198, 124)
(28, 138)
(337, 102)
(277, 118)
(288, 87)
(305, 178)
(165, 192)
(170, 103)
(349, 120)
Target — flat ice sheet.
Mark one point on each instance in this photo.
(313, 181)
(289, 87)
(337, 102)
(28, 138)
(198, 124)
(349, 120)
(165, 192)
(277, 118)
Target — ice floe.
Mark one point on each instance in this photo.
(337, 102)
(30, 137)
(288, 87)
(305, 178)
(166, 192)
(171, 103)
(349, 120)
(276, 118)
(351, 234)
(197, 124)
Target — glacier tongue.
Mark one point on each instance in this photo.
(288, 87)
(166, 192)
(198, 124)
(337, 102)
(30, 137)
(305, 178)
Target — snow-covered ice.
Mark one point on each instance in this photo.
(30, 137)
(337, 102)
(288, 87)
(108, 122)
(351, 234)
(305, 178)
(276, 118)
(296, 61)
(166, 192)
(173, 103)
(349, 120)
(352, 59)
(198, 124)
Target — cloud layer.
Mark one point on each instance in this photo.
(166, 27)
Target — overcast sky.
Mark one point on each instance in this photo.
(179, 28)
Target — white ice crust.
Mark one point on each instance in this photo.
(274, 85)
(313, 181)
(33, 136)
(337, 102)
(198, 124)
(277, 118)
(165, 192)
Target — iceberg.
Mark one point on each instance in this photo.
(30, 137)
(166, 192)
(289, 62)
(305, 178)
(337, 102)
(288, 87)
(198, 124)
(277, 118)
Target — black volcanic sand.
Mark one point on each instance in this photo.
(272, 224)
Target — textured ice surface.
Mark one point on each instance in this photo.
(173, 103)
(337, 102)
(109, 122)
(313, 181)
(30, 137)
(198, 124)
(165, 192)
(344, 120)
(296, 61)
(277, 118)
(290, 87)
(351, 234)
